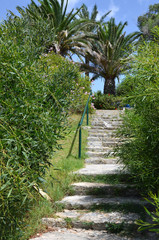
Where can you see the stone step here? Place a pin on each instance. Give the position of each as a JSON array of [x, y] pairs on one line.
[[108, 133], [99, 160], [100, 119], [99, 149], [101, 169], [105, 129], [91, 201], [100, 154], [90, 220], [105, 123], [106, 118], [102, 143], [102, 135], [94, 143], [108, 190], [83, 234], [103, 139], [104, 126], [113, 113]]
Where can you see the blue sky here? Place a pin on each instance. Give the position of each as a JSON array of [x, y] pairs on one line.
[[122, 10]]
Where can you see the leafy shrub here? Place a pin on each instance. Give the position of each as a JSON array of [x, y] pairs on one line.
[[125, 87], [32, 120], [80, 95], [75, 85], [106, 101], [35, 98], [140, 152], [153, 224]]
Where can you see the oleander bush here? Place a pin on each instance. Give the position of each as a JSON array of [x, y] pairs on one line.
[[76, 85], [140, 152], [35, 98], [106, 101]]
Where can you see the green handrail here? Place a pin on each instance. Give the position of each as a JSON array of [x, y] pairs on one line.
[[80, 129]]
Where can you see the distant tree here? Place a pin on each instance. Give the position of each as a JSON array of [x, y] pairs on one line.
[[148, 21], [109, 53]]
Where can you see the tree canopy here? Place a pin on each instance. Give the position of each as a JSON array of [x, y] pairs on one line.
[[66, 32], [109, 53], [91, 28], [104, 45], [148, 21]]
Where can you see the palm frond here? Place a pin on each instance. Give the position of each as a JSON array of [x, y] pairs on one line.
[[104, 16], [94, 13]]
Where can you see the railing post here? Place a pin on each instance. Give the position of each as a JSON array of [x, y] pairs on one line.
[[80, 142], [87, 115], [80, 129]]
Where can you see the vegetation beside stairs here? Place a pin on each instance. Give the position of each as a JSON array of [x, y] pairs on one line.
[[102, 199]]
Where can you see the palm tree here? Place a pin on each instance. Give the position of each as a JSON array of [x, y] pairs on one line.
[[67, 33], [85, 14], [92, 17], [109, 53]]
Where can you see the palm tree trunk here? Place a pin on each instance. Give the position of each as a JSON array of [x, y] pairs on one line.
[[109, 86], [87, 62]]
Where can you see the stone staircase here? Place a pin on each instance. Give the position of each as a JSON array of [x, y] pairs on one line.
[[105, 204]]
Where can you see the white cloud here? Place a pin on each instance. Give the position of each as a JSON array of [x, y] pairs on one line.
[[114, 9]]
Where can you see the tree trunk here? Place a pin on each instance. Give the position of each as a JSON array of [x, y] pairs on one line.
[[109, 86], [87, 62]]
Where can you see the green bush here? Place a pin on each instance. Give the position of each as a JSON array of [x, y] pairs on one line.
[[106, 101], [140, 152], [35, 98], [125, 87], [76, 86], [153, 224], [33, 118]]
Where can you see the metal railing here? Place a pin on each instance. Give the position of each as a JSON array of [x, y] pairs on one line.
[[79, 128]]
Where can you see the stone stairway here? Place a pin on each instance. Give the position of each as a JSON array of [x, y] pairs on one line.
[[105, 204]]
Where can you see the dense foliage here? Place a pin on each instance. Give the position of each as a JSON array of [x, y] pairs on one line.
[[104, 45], [125, 87], [106, 101], [38, 89], [148, 21], [153, 225], [35, 97], [65, 74], [140, 152]]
